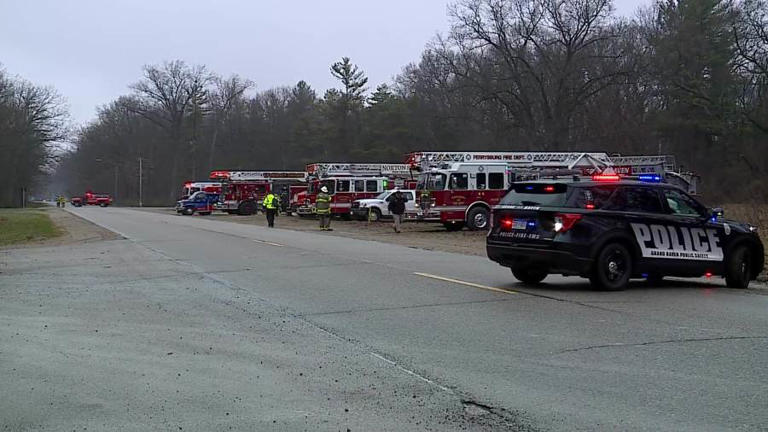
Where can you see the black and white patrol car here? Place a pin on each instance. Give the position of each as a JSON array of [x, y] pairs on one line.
[[610, 229]]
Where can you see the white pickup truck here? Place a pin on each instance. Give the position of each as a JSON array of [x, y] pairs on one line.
[[376, 208]]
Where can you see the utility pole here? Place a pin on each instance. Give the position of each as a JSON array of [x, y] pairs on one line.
[[114, 196], [140, 203]]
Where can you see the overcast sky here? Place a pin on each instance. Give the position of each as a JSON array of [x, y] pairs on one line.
[[91, 50]]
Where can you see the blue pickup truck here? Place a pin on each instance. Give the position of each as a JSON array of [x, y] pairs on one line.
[[200, 202]]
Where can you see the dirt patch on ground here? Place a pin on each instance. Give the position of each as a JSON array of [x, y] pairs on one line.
[[428, 236], [75, 230]]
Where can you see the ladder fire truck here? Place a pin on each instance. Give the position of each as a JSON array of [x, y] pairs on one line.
[[347, 182], [459, 188], [243, 191]]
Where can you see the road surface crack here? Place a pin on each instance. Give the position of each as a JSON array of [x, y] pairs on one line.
[[668, 341]]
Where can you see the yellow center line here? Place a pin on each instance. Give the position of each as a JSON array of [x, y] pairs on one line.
[[461, 282]]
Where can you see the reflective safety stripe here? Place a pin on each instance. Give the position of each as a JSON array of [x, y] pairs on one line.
[[269, 202]]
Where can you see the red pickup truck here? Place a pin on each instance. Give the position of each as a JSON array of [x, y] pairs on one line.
[[90, 198]]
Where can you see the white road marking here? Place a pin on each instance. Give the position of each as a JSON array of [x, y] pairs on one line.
[[461, 282], [269, 243]]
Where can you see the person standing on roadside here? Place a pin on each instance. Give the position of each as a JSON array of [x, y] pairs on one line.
[[397, 208], [323, 208], [270, 208]]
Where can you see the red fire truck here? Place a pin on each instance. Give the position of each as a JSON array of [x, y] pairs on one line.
[[91, 198], [347, 182], [243, 191], [459, 188], [205, 186]]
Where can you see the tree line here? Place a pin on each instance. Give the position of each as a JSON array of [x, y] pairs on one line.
[[32, 120], [683, 77]]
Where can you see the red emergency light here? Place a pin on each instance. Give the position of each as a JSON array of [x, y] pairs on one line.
[[549, 188], [606, 177], [219, 174]]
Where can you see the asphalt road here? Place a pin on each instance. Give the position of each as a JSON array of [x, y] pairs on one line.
[[283, 330]]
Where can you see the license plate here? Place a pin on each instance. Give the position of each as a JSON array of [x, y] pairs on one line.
[[519, 224]]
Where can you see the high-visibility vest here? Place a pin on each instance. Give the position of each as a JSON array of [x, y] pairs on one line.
[[269, 201]]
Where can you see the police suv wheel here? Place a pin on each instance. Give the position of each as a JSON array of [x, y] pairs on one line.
[[188, 211], [477, 219], [612, 268], [529, 275], [738, 269]]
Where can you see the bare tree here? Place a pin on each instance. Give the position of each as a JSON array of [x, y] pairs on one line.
[[33, 120], [541, 60], [167, 96], [226, 95]]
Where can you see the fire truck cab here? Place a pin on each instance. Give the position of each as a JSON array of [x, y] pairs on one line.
[[460, 192]]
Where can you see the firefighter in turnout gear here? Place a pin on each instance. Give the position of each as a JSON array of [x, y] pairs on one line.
[[271, 202], [323, 208]]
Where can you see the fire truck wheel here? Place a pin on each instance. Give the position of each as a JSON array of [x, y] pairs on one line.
[[477, 218], [102, 204], [247, 208], [453, 226], [188, 211]]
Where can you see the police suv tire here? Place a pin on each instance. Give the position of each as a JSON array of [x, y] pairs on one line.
[[529, 275], [188, 211], [738, 268], [375, 215], [612, 268], [477, 218]]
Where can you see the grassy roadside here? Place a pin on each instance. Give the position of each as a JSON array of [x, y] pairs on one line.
[[26, 225]]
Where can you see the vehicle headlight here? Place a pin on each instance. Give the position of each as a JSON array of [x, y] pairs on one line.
[[363, 205], [752, 228]]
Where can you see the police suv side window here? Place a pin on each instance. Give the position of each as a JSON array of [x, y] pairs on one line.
[[636, 199], [683, 205], [459, 181]]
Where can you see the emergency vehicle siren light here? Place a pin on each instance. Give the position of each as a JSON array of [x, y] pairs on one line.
[[606, 177], [650, 178]]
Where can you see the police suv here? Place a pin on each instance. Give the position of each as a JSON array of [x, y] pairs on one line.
[[610, 229]]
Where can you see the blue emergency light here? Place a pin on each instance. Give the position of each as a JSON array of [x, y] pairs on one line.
[[650, 178]]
